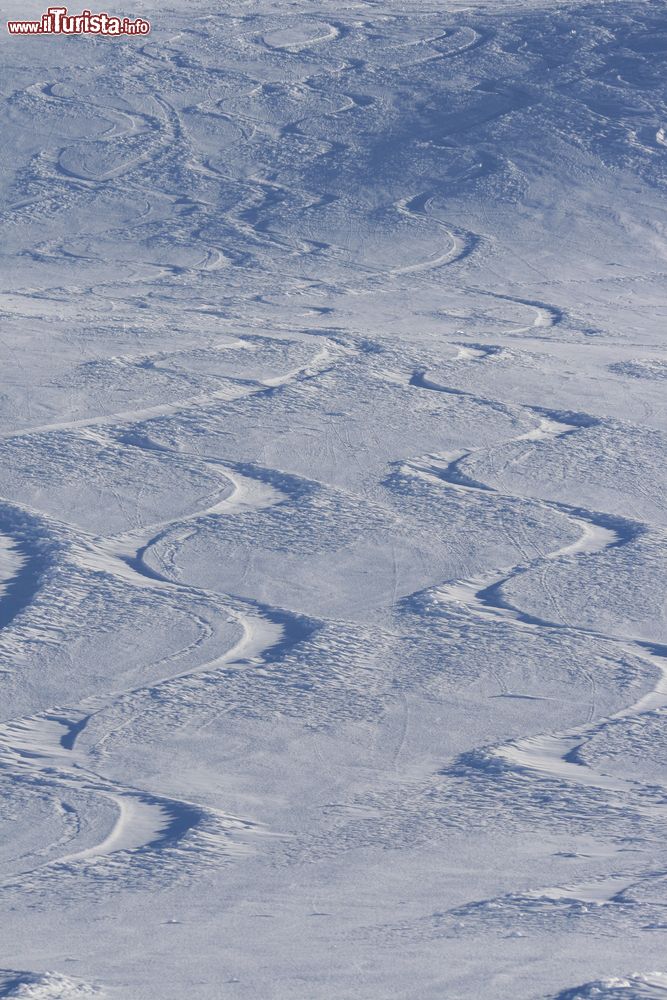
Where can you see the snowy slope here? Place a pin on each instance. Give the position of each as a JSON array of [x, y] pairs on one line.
[[333, 439]]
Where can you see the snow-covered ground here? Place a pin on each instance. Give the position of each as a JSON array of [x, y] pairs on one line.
[[333, 470]]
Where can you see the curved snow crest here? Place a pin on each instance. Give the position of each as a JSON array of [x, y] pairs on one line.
[[44, 986], [462, 243], [546, 315], [245, 488], [232, 389], [552, 423], [635, 987], [551, 756], [242, 207], [554, 756], [152, 835]]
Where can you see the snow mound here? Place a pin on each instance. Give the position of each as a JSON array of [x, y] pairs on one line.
[[635, 987], [43, 986]]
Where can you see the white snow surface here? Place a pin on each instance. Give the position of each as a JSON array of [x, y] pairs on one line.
[[333, 465]]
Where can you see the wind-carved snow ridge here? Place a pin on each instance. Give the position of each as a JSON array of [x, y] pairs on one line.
[[231, 390], [462, 244], [546, 315], [554, 755], [151, 833], [634, 987], [332, 503], [44, 986]]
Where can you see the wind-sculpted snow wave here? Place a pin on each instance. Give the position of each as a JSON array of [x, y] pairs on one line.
[[150, 831], [332, 504], [558, 759]]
